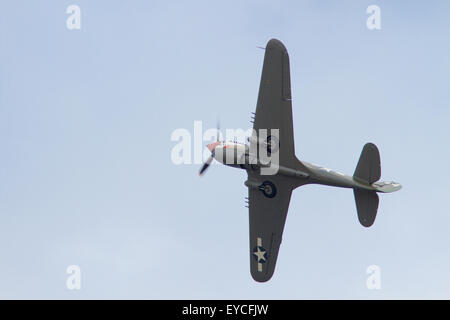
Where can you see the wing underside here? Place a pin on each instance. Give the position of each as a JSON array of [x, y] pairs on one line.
[[267, 217], [268, 212], [274, 106]]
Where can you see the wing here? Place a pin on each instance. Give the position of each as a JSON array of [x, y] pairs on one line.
[[267, 217], [268, 210], [274, 106]]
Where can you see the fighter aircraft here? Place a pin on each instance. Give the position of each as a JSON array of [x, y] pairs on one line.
[[269, 193]]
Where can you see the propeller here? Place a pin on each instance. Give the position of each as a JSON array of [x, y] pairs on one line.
[[206, 164], [211, 147]]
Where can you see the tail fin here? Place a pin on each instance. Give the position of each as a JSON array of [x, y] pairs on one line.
[[368, 170]]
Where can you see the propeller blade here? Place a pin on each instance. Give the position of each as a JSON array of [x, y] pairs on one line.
[[206, 165]]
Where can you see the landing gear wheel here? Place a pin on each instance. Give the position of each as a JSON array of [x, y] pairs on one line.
[[268, 189]]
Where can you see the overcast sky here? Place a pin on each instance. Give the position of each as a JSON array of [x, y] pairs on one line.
[[86, 176]]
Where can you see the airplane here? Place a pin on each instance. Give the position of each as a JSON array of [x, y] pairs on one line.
[[269, 194]]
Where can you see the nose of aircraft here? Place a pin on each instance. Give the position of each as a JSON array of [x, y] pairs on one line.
[[212, 146]]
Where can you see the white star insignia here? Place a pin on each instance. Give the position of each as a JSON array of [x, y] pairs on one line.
[[260, 254]]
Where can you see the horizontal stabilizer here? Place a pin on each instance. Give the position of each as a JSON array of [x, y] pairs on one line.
[[369, 167], [366, 205]]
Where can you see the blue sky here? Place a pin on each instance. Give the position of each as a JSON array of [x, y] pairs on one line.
[[86, 176]]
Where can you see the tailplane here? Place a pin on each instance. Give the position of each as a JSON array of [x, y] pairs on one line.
[[367, 171], [366, 205]]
